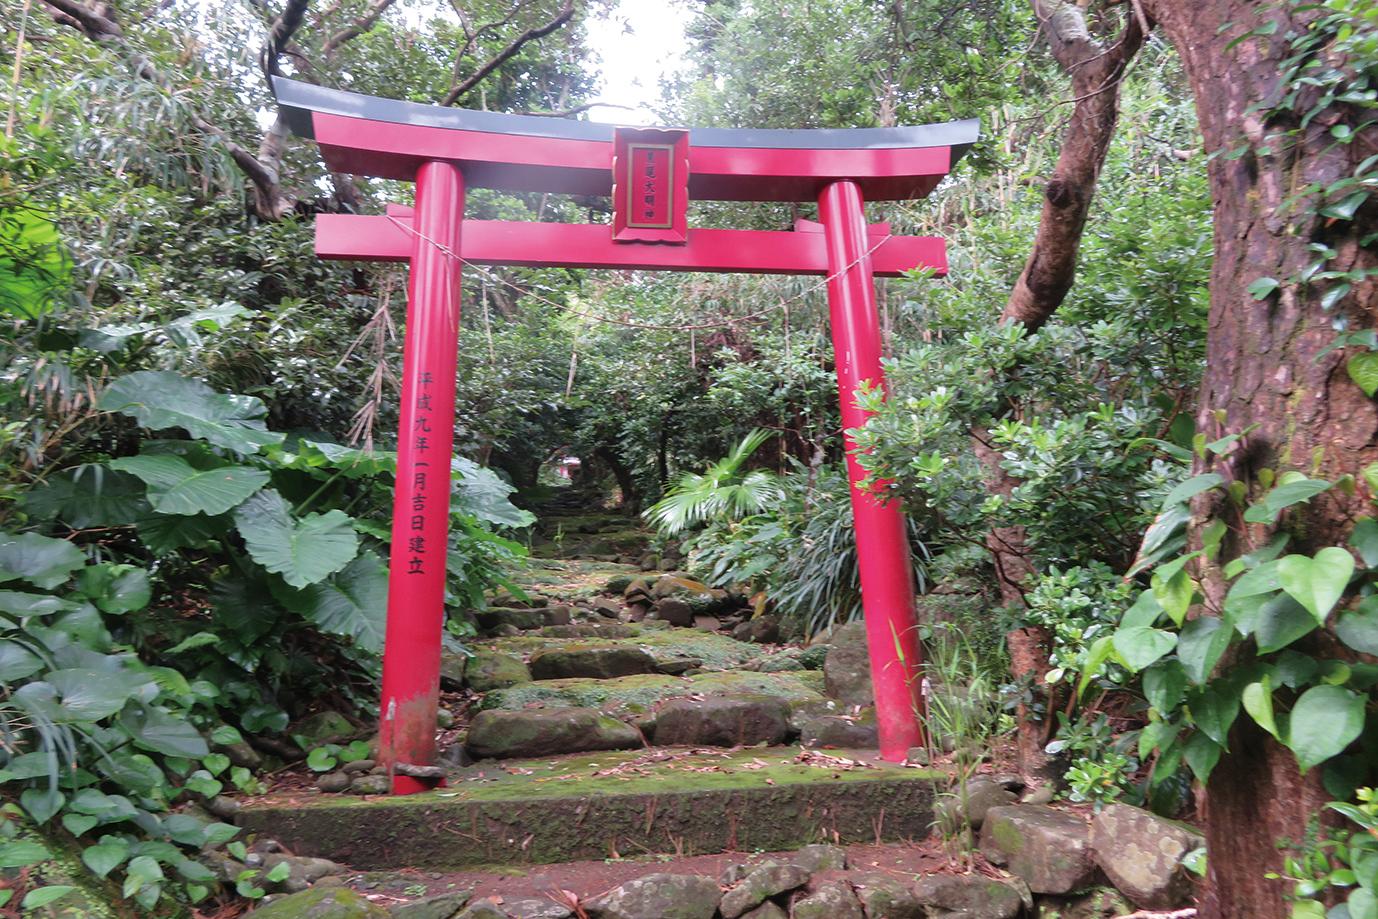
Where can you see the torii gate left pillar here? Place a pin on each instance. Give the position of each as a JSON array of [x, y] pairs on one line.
[[650, 175]]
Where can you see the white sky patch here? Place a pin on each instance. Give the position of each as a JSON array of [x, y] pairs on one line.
[[639, 43]]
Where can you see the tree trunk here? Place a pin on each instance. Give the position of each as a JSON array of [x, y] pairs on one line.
[[626, 482], [1264, 369]]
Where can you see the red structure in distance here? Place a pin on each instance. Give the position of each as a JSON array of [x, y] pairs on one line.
[[651, 175]]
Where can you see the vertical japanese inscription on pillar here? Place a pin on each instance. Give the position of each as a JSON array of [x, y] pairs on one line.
[[650, 186], [419, 490]]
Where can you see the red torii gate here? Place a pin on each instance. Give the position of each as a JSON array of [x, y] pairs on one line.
[[651, 175]]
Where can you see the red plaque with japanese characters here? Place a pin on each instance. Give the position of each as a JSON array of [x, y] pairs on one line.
[[650, 186]]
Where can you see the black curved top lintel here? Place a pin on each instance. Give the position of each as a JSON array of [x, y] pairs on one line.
[[298, 100]]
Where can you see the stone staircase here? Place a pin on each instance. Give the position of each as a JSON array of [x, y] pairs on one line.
[[615, 710]]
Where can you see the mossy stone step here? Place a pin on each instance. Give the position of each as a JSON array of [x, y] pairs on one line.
[[802, 690], [713, 649], [604, 804]]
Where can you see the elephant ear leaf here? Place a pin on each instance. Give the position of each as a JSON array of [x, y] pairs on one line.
[[159, 400], [304, 550]]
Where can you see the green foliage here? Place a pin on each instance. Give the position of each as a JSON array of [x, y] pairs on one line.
[[724, 491]]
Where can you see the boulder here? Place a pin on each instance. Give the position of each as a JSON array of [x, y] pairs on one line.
[[968, 896], [1102, 903], [1141, 853], [557, 615], [323, 728], [333, 782], [675, 612], [523, 619], [883, 897], [590, 630], [658, 896], [321, 903], [636, 590], [440, 906], [954, 808], [452, 667], [619, 584], [820, 857], [493, 670], [722, 721], [303, 869], [831, 900], [608, 609], [759, 886], [812, 657], [778, 663], [484, 909], [847, 666], [533, 908], [761, 630], [596, 663], [1048, 848], [500, 734], [839, 731], [766, 910], [370, 785]]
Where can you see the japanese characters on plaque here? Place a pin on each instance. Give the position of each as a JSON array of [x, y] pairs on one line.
[[420, 490], [650, 185]]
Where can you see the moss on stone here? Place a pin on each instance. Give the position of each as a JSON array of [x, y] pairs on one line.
[[642, 692]]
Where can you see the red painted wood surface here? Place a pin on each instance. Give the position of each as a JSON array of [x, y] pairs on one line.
[[565, 245]]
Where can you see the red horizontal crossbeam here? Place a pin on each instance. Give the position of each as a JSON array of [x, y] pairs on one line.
[[584, 167], [583, 245]]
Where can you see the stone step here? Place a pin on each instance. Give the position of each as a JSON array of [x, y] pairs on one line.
[[612, 804]]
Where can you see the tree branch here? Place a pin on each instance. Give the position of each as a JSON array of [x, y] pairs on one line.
[[356, 28], [459, 89], [1096, 72]]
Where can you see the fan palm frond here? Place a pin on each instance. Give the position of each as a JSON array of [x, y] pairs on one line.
[[720, 490]]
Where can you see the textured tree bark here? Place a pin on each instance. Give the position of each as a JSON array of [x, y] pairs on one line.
[[1264, 368]]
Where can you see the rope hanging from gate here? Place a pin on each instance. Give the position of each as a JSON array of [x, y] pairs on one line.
[[492, 276]]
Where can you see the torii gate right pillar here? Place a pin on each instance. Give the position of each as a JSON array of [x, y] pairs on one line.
[[882, 544]]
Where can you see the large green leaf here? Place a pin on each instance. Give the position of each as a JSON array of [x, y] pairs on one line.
[[1359, 628], [1215, 708], [176, 487], [1284, 496], [92, 495], [302, 551], [41, 561], [156, 730], [1164, 684], [160, 400], [34, 269], [1202, 642], [1281, 621], [352, 602], [166, 533], [1325, 720], [1317, 583], [80, 695], [17, 661], [480, 492], [115, 588], [1139, 647]]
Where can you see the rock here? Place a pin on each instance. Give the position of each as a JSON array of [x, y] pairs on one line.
[[1048, 848], [722, 721], [419, 772], [590, 630], [951, 811], [678, 666], [594, 663], [370, 785], [968, 896], [883, 897], [766, 910], [655, 625], [484, 909], [1141, 853], [812, 657], [707, 623], [759, 886], [637, 589], [224, 808], [675, 612], [1103, 903], [608, 609], [358, 766], [440, 906], [820, 857], [321, 903], [521, 619], [452, 667], [547, 732], [557, 615], [665, 564], [455, 756], [762, 630], [619, 584], [240, 754], [493, 670], [658, 896], [532, 908], [832, 900], [304, 868], [323, 728], [333, 782], [839, 731], [1043, 794], [847, 667], [917, 756], [778, 663]]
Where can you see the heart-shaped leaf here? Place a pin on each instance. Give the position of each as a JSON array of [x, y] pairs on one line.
[[1317, 583], [1325, 720], [304, 550], [1258, 702], [1164, 684], [40, 560], [161, 400], [1280, 622], [1363, 370], [1364, 539], [1139, 647], [107, 856], [1202, 642], [177, 487], [1359, 628]]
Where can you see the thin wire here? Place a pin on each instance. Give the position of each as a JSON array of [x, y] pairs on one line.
[[783, 304]]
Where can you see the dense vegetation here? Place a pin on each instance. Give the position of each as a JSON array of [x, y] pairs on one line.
[[194, 470]]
